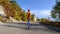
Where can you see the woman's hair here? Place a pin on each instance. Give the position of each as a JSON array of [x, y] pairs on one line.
[[28, 10]]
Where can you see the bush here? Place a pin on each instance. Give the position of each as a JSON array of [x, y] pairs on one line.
[[1, 18], [17, 18]]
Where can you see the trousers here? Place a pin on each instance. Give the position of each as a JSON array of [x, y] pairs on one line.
[[28, 24]]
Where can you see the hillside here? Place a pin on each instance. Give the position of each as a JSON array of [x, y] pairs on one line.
[[8, 8], [12, 9]]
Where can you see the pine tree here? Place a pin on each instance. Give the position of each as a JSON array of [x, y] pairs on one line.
[[55, 12]]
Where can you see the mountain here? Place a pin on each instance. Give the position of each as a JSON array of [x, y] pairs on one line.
[[10, 8]]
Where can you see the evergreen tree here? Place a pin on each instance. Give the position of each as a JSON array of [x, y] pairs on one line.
[[55, 13]]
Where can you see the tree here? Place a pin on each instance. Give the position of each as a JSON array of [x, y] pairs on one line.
[[32, 17], [55, 12], [9, 9], [17, 9], [23, 15], [44, 20], [16, 6]]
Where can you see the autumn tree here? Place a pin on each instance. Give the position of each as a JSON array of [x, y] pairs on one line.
[[9, 9]]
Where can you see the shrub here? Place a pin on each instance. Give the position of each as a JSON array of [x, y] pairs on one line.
[[1, 18]]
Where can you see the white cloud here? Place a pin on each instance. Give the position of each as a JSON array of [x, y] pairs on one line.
[[45, 12], [41, 13], [23, 7]]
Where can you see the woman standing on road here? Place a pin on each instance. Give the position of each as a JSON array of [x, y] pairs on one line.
[[28, 18]]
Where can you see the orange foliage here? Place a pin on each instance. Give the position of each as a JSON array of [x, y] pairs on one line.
[[10, 10]]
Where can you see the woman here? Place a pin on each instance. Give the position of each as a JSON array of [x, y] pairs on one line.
[[28, 18]]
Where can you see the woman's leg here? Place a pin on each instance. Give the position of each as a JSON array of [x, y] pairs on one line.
[[28, 23]]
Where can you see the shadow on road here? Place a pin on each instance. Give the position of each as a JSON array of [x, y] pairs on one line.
[[50, 29], [32, 24], [31, 29]]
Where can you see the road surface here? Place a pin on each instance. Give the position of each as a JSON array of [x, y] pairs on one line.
[[20, 28]]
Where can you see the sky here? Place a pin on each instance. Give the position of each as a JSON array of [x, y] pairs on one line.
[[41, 8]]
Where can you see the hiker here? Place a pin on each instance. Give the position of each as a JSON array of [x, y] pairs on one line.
[[28, 18]]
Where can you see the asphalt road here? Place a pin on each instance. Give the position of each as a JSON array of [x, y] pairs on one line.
[[21, 28]]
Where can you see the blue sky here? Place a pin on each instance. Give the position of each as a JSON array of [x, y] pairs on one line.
[[41, 8]]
